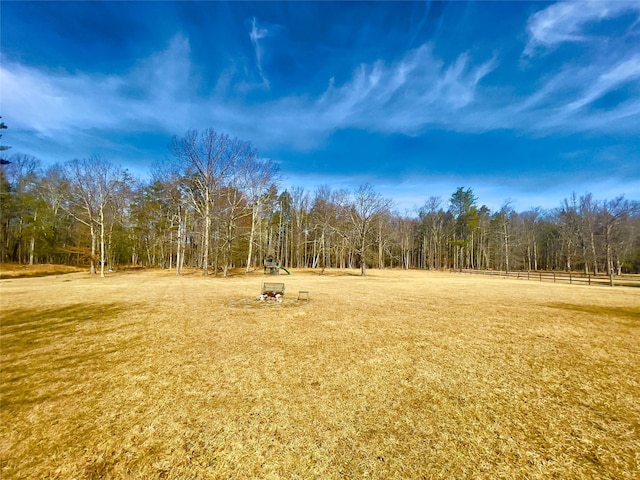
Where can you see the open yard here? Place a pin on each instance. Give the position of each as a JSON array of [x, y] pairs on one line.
[[400, 374]]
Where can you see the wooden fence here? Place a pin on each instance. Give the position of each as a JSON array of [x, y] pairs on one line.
[[574, 278]]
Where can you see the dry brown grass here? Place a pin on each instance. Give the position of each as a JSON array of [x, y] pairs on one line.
[[14, 270], [395, 375]]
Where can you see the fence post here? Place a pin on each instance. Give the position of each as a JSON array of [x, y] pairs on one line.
[[589, 278], [611, 279], [554, 276], [570, 278]]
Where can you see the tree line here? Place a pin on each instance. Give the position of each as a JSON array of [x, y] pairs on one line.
[[215, 204]]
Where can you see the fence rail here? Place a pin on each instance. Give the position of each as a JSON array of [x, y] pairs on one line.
[[577, 278]]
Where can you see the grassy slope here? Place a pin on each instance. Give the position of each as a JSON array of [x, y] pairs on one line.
[[396, 375]]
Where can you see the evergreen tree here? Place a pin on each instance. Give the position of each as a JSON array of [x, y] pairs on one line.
[[3, 148]]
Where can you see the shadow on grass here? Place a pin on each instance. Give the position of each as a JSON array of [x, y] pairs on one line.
[[609, 312], [48, 352], [34, 318]]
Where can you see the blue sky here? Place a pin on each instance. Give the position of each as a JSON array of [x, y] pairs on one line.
[[521, 101]]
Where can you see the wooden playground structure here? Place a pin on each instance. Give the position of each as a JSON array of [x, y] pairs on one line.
[[272, 266]]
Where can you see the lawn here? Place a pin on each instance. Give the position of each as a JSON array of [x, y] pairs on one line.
[[400, 374]]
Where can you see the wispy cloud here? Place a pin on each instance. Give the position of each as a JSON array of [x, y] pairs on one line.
[[54, 103], [406, 96], [580, 75], [416, 92], [566, 22], [159, 94], [626, 71], [256, 34], [566, 99], [51, 103]]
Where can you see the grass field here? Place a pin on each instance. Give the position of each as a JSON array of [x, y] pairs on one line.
[[401, 374], [8, 270]]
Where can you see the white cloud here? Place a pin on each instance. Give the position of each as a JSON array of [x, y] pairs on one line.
[[621, 73], [563, 101], [566, 22], [416, 92], [405, 96], [52, 103], [256, 34]]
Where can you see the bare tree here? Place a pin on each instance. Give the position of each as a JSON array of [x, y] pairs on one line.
[[569, 228], [223, 178], [168, 192], [505, 220], [94, 183], [531, 221], [233, 201], [53, 192], [258, 175], [587, 211], [204, 162], [326, 212], [614, 214], [432, 229], [300, 212], [366, 205]]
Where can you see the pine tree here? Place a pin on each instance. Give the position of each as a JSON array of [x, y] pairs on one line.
[[3, 126]]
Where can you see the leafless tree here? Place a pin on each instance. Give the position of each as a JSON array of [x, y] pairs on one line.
[[587, 212], [614, 214], [568, 223], [300, 212], [432, 227], [366, 205], [257, 176], [223, 178], [327, 210], [233, 203], [205, 160], [94, 184]]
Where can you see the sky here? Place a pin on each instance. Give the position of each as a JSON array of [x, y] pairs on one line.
[[523, 102]]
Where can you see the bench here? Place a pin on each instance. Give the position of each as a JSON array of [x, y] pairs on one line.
[[272, 289]]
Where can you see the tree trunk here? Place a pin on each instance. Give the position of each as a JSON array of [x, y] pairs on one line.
[[32, 243], [178, 246], [607, 237], [363, 267], [380, 247], [93, 249], [102, 241], [506, 248], [251, 236], [205, 239], [593, 253]]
